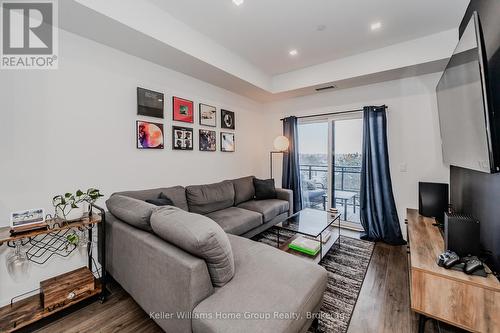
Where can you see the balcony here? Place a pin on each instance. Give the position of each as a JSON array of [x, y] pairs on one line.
[[347, 189]]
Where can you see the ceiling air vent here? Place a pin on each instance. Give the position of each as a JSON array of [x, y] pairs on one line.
[[325, 88]]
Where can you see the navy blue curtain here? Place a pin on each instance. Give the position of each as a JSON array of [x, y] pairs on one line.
[[291, 168], [379, 217]]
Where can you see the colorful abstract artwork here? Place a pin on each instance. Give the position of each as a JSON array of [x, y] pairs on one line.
[[182, 110], [208, 140], [149, 135], [227, 142]]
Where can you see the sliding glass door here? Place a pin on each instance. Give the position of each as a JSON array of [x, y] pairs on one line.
[[330, 163], [314, 159], [347, 148]]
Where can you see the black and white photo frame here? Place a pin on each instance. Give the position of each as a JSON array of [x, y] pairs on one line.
[[149, 103], [182, 138], [207, 115], [227, 142], [208, 140], [227, 119]]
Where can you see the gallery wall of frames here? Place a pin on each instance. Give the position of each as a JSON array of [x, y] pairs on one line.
[[152, 134]]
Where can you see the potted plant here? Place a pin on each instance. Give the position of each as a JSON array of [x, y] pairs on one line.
[[71, 207]]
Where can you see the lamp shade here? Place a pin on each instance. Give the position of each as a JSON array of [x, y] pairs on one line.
[[281, 143]]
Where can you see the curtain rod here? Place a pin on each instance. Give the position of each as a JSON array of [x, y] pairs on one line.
[[332, 113]]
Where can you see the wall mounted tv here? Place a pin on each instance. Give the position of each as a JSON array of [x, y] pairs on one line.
[[466, 120]]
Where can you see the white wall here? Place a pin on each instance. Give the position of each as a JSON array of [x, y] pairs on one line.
[[413, 128], [75, 128]]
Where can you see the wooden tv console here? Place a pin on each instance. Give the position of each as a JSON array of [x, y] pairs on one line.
[[465, 301]]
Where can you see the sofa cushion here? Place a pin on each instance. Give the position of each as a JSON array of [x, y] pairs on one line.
[[176, 193], [266, 280], [264, 189], [199, 236], [243, 189], [135, 212], [204, 199], [268, 208], [235, 220]]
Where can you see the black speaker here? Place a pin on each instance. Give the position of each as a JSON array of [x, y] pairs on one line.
[[433, 200], [461, 234]]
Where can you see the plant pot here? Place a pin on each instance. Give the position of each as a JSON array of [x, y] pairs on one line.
[[73, 215]]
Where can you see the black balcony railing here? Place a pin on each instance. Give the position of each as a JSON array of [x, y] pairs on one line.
[[346, 178], [343, 181]]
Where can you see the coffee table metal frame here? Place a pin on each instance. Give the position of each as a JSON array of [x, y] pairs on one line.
[[281, 225]]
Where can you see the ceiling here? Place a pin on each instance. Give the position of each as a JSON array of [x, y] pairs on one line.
[[264, 31], [245, 49]]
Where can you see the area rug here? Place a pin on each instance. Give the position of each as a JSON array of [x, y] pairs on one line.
[[346, 271]]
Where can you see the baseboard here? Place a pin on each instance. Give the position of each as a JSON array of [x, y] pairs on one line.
[[351, 226]]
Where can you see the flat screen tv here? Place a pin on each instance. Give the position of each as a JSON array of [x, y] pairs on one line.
[[466, 123]]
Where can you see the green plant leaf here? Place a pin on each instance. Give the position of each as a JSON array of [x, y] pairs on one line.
[[72, 239], [67, 195]]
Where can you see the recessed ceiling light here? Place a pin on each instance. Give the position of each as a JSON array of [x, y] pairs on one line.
[[293, 52], [376, 26], [238, 2]]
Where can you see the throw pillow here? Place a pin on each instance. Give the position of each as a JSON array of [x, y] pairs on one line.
[[264, 189], [159, 202], [162, 200], [198, 235]]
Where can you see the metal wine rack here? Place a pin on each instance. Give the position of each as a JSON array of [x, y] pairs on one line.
[[56, 243], [55, 240]]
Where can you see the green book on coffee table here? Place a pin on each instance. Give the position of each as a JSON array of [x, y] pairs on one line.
[[305, 245]]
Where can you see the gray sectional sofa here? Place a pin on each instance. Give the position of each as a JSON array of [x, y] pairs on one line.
[[192, 267]]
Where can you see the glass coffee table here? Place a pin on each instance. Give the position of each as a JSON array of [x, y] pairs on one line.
[[312, 223]]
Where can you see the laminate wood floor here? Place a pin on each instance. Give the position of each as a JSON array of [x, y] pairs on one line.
[[382, 306], [384, 301]]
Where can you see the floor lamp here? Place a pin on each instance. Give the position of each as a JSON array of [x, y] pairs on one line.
[[281, 144]]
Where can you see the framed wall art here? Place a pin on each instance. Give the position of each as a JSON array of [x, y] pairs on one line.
[[182, 138], [208, 141], [149, 103], [227, 119], [208, 115], [182, 110], [25, 218], [227, 142], [149, 135]]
